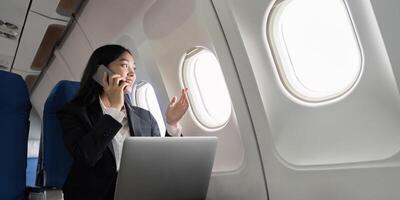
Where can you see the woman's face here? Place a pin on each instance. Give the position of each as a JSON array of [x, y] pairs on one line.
[[125, 66]]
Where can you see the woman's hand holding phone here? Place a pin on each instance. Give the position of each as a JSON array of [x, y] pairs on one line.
[[114, 86]]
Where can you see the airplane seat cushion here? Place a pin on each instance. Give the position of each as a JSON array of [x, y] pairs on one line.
[[56, 159], [15, 109]]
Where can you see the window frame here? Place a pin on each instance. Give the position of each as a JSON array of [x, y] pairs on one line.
[[277, 54], [194, 112]]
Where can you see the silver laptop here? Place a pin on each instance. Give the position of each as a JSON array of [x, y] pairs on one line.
[[176, 168]]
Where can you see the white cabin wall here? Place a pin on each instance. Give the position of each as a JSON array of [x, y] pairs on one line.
[[328, 165], [75, 50], [35, 131], [288, 118], [171, 33], [35, 127], [68, 63], [122, 25], [57, 70], [387, 13]]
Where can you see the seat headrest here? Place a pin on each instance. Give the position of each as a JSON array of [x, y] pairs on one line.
[[62, 93], [15, 93]]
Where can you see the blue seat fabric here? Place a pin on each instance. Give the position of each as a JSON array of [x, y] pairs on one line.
[[15, 109], [54, 157]]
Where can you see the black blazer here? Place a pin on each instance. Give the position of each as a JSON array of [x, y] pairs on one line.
[[87, 136]]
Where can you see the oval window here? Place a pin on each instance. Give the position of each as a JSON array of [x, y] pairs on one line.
[[208, 94], [315, 48]]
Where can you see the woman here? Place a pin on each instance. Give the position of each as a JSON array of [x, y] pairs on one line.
[[96, 122]]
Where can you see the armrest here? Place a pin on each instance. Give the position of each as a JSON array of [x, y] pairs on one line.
[[41, 193]]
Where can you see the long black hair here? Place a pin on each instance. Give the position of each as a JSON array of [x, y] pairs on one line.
[[89, 89]]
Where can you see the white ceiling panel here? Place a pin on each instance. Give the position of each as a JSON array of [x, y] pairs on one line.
[[14, 11], [76, 51], [35, 28], [48, 8], [11, 11]]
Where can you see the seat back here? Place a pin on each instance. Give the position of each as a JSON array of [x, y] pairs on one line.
[[145, 97], [55, 160], [15, 108]]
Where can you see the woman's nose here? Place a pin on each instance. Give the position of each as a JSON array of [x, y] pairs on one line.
[[131, 72]]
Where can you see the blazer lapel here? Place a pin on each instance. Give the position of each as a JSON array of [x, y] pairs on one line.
[[95, 113], [135, 121]]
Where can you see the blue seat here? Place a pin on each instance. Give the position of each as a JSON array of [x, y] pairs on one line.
[[15, 108], [54, 159]]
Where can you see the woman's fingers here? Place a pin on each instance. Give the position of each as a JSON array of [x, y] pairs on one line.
[[105, 80], [115, 83], [173, 101], [115, 80], [115, 91], [184, 98], [123, 85]]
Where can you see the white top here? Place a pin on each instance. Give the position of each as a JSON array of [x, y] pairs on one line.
[[118, 140]]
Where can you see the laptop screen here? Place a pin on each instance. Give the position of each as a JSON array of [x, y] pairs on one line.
[[165, 168]]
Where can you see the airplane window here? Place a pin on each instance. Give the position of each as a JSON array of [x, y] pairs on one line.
[[209, 98], [315, 48], [146, 98]]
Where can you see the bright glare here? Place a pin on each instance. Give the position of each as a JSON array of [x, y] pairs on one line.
[[319, 55], [209, 95]]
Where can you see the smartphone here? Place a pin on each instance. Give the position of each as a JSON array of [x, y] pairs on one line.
[[98, 76]]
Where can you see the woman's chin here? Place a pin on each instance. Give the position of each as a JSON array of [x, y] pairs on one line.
[[128, 90]]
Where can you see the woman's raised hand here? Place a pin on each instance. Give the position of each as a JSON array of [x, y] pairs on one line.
[[114, 90], [176, 109]]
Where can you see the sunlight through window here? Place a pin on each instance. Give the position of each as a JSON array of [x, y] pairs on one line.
[[315, 47], [209, 97]]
